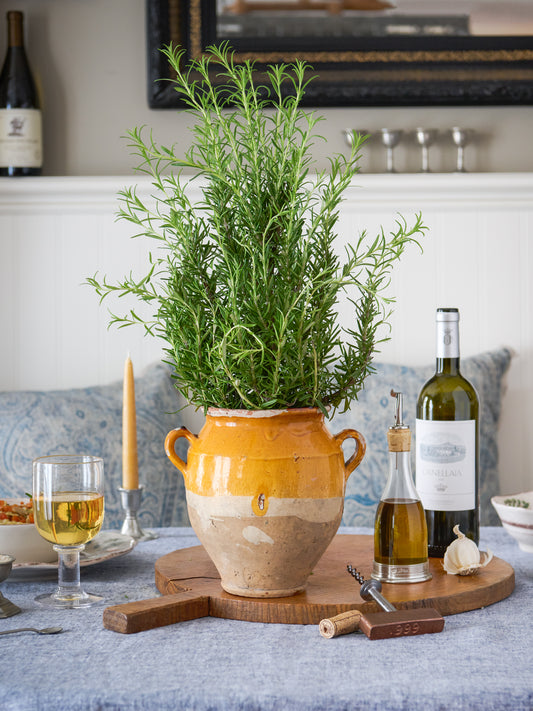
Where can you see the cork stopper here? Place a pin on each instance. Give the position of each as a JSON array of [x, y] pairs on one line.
[[399, 439]]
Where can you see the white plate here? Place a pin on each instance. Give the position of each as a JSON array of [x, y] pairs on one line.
[[106, 545]]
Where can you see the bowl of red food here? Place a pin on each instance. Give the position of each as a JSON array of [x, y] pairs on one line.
[[19, 536]]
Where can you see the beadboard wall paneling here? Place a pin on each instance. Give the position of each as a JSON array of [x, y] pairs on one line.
[[54, 232]]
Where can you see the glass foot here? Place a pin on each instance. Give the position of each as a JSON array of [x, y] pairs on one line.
[[64, 602]]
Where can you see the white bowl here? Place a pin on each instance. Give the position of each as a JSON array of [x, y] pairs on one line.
[[517, 521], [23, 541]]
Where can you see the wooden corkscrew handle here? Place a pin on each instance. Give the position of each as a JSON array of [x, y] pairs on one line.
[[344, 623]]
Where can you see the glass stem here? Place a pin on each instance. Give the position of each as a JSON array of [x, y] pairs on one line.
[[460, 160], [425, 159], [69, 571], [390, 161]]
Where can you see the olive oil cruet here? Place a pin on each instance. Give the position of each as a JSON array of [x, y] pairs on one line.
[[400, 533]]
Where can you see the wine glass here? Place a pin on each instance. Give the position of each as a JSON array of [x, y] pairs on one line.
[[460, 137], [426, 138], [68, 505], [390, 139]]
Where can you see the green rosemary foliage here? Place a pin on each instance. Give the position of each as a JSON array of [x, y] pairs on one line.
[[516, 502], [245, 291]]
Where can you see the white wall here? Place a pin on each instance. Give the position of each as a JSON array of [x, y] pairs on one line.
[[89, 58]]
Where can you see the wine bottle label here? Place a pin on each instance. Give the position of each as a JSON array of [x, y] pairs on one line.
[[20, 138], [446, 464]]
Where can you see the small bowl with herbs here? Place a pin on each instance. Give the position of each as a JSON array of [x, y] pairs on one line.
[[19, 536], [516, 515]]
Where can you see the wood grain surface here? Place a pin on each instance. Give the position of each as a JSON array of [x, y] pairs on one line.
[[190, 586]]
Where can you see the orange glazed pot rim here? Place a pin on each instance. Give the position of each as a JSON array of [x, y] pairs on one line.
[[252, 414]]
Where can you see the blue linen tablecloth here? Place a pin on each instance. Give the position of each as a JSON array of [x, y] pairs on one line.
[[482, 660]]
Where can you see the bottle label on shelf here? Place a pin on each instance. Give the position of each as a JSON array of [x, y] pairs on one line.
[[20, 138], [446, 464]]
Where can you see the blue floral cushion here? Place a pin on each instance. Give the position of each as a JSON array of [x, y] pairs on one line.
[[89, 421], [373, 413]]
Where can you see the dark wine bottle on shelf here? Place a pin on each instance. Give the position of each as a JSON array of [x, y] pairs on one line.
[[20, 115], [447, 444]]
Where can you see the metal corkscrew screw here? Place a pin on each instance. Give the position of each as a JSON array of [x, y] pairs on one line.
[[371, 590]]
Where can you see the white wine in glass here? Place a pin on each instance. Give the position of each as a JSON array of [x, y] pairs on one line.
[[68, 504]]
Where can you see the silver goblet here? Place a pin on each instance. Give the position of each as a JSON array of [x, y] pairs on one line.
[[425, 138], [460, 137], [390, 139], [349, 133]]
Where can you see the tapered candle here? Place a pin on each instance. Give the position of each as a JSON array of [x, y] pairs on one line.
[[130, 468]]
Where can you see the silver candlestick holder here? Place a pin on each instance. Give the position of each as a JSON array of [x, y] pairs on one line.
[[131, 501]]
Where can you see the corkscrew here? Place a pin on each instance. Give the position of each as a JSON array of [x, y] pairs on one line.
[[371, 590], [381, 625]]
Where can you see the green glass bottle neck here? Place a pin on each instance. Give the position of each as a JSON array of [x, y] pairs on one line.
[[447, 366]]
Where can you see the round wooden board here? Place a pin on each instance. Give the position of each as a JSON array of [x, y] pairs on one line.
[[330, 589]]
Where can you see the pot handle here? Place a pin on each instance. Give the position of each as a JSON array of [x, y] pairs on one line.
[[360, 449], [170, 442]]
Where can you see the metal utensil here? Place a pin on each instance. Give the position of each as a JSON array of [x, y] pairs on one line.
[[7, 608], [371, 590], [45, 630]]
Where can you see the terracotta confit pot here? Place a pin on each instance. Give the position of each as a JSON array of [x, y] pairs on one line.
[[265, 494]]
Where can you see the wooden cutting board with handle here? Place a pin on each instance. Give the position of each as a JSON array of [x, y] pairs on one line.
[[190, 587]]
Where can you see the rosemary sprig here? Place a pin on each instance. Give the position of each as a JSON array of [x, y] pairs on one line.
[[519, 503], [245, 288]]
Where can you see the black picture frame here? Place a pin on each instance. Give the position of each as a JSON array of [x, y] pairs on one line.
[[384, 71]]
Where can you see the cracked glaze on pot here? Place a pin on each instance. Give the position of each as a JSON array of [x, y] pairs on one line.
[[265, 494]]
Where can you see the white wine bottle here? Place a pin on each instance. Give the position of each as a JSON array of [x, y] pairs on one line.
[[20, 116], [447, 444]]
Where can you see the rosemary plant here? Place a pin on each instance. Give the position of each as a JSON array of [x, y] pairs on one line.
[[245, 290]]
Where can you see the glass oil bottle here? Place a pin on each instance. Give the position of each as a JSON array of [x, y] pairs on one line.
[[400, 533]]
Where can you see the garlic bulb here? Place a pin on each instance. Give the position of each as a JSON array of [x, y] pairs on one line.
[[462, 556]]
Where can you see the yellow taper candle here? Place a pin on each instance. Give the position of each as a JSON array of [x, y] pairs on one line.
[[130, 467]]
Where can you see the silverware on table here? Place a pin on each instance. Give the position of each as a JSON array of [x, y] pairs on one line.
[[45, 630]]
